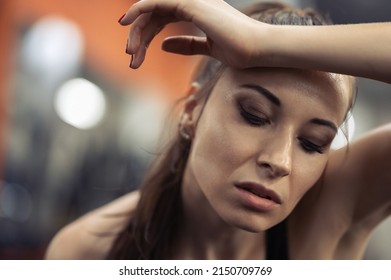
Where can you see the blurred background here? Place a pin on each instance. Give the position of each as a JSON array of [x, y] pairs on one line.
[[78, 126]]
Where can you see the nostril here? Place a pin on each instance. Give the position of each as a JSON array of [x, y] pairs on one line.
[[274, 170], [265, 165]]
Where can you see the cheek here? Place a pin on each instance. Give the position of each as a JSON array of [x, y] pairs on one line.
[[216, 150], [221, 145], [306, 172]]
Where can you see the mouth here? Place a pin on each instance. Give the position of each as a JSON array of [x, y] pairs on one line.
[[259, 194], [259, 191]]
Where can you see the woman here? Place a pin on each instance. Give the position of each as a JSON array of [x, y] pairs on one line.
[[249, 173]]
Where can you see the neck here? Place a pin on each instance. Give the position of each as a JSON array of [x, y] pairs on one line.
[[204, 235]]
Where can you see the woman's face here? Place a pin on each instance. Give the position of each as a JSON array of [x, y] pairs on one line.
[[262, 141]]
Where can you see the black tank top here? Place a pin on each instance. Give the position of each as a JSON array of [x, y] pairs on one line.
[[277, 242]]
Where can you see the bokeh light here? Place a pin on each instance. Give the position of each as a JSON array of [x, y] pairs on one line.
[[343, 138], [80, 103], [53, 48]]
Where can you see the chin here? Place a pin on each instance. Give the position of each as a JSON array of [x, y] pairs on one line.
[[254, 228], [255, 222], [254, 225]]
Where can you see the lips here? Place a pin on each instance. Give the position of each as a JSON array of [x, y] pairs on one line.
[[259, 191]]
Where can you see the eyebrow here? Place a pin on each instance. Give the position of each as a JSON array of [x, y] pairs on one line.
[[274, 99], [325, 123], [265, 92]]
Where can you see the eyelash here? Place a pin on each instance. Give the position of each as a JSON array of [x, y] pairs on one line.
[[253, 119], [307, 146], [310, 147]]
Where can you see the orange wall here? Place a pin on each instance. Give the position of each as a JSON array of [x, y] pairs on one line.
[[105, 41], [105, 46], [6, 39]]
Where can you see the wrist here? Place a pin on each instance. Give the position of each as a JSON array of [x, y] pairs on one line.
[[279, 46], [267, 49]]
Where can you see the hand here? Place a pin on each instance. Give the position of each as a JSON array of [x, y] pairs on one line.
[[229, 33]]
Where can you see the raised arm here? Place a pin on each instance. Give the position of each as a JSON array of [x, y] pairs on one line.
[[355, 49], [362, 50]]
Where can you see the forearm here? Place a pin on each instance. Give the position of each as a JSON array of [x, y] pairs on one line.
[[359, 49]]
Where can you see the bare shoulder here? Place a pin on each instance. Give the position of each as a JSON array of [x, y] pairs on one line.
[[359, 175], [92, 235], [357, 180], [351, 198]]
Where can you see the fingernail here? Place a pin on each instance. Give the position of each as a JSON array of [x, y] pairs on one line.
[[119, 21], [131, 62]]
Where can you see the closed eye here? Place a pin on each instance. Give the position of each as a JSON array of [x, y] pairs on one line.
[[253, 119], [310, 147]]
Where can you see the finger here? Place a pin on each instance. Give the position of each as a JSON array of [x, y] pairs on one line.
[[135, 32], [148, 6], [145, 36], [139, 57], [153, 28], [131, 14], [187, 45]]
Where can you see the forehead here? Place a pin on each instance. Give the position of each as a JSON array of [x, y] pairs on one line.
[[333, 91]]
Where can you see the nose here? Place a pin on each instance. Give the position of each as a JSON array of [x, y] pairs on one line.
[[275, 157]]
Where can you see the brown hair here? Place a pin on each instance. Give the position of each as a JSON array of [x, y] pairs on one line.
[[154, 223]]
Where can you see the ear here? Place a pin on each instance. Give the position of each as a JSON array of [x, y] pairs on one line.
[[191, 112]]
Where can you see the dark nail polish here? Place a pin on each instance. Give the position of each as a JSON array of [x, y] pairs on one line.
[[119, 21]]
